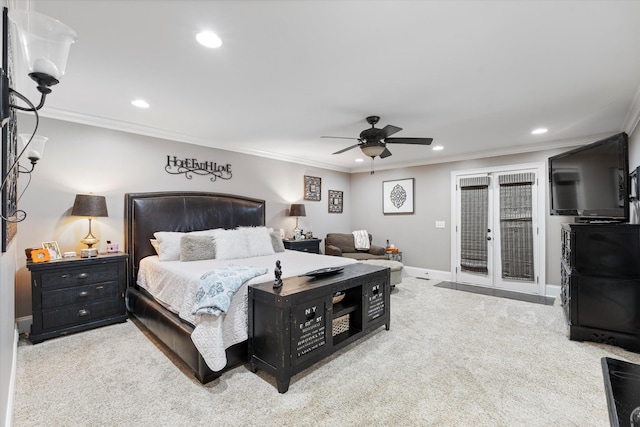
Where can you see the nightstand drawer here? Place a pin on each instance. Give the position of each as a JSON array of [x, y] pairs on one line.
[[79, 294], [78, 276], [78, 314]]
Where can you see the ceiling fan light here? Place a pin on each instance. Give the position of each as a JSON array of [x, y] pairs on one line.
[[372, 150]]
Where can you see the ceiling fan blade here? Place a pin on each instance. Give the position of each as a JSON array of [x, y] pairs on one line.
[[338, 137], [385, 153], [389, 130], [346, 149], [419, 141]]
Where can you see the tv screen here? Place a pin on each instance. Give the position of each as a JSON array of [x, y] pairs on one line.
[[591, 182]]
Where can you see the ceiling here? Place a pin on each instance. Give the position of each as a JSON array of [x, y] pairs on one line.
[[477, 76]]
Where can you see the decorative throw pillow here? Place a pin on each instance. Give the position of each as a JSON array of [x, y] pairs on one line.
[[230, 244], [169, 245], [196, 247], [276, 241], [258, 240], [155, 245]]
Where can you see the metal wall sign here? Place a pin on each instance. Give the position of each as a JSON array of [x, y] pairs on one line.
[[189, 167]]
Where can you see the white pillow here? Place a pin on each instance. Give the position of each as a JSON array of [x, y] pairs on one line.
[[169, 245], [155, 245], [258, 240], [230, 244]]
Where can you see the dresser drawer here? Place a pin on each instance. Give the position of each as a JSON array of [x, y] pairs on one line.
[[79, 314], [79, 275], [79, 294]]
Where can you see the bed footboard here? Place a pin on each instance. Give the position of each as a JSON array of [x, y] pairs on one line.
[[176, 335]]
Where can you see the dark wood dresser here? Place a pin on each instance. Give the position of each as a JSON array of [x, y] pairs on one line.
[[297, 325], [304, 245], [600, 287], [76, 294]]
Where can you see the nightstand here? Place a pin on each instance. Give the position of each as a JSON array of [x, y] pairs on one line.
[[76, 294], [305, 245]]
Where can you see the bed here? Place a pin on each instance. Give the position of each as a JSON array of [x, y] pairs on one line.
[[187, 212]]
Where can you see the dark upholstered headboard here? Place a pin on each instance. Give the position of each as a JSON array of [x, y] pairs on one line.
[[146, 213]]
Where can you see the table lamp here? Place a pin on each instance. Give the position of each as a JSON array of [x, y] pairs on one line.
[[297, 210], [91, 206]]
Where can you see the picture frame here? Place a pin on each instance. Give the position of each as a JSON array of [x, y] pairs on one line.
[[335, 201], [40, 255], [312, 188], [398, 196], [54, 250]]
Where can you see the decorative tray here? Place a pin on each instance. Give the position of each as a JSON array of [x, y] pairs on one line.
[[324, 271]]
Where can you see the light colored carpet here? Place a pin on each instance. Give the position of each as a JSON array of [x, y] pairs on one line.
[[451, 358]]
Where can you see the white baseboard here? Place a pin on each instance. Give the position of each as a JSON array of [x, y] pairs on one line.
[[8, 417], [424, 273], [24, 324]]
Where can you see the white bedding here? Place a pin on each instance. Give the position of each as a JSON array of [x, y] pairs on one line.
[[174, 285]]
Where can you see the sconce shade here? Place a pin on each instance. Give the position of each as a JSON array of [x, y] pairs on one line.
[[45, 42], [373, 150], [36, 147], [89, 205], [297, 210]]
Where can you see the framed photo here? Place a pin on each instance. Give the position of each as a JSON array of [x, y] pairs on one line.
[[335, 201], [312, 187], [54, 250], [397, 196], [40, 255]]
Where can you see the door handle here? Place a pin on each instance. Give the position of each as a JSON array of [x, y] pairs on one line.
[[488, 238]]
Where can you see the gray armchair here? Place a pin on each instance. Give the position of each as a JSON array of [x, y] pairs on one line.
[[342, 244]]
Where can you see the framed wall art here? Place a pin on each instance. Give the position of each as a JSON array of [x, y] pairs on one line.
[[397, 196], [335, 201], [312, 188]]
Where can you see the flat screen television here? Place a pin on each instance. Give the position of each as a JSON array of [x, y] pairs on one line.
[[591, 182]]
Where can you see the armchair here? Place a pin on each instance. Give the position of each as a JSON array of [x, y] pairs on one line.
[[342, 244]]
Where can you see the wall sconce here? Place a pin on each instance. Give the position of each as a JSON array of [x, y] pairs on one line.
[[91, 206], [45, 43], [297, 210]]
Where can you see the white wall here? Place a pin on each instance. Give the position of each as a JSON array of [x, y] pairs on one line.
[[83, 159]]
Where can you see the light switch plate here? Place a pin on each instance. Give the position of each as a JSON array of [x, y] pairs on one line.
[[440, 224]]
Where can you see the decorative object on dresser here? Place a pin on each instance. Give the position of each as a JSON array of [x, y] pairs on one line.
[[91, 206], [72, 295], [335, 201], [304, 245], [54, 250], [397, 196], [45, 44], [297, 210], [600, 289], [312, 188], [296, 326]]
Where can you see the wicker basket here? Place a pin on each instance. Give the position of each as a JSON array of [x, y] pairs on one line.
[[340, 324]]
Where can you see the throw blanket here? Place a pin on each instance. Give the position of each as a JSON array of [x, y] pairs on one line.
[[217, 287], [361, 240]]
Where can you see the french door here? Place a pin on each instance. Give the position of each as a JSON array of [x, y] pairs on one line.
[[499, 220]]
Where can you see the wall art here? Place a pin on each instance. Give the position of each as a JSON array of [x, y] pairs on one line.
[[397, 196], [312, 188], [335, 201], [190, 166]]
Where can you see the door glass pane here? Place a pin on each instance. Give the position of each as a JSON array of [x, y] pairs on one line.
[[516, 229], [474, 193]]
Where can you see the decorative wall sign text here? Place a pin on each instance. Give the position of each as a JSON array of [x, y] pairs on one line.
[[189, 167]]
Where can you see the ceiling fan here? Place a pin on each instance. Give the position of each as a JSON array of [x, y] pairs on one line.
[[373, 142]]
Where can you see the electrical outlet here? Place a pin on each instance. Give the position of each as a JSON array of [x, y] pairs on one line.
[[440, 224]]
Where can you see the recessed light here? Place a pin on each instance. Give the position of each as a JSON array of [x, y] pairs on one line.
[[140, 103], [539, 131], [437, 148], [209, 39], [359, 160]]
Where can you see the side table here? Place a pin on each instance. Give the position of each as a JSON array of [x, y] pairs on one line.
[[394, 256], [304, 245]]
